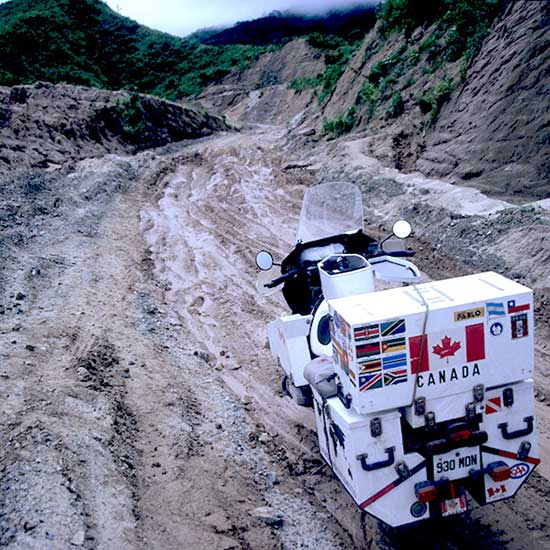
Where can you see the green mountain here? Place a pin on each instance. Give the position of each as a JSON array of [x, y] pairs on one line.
[[85, 42], [277, 27]]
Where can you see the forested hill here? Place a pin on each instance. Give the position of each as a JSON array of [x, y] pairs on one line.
[[279, 27], [85, 42]]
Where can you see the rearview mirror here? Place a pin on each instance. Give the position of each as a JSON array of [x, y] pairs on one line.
[[264, 260], [402, 229]]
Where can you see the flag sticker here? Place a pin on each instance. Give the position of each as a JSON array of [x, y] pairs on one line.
[[493, 405], [366, 333], [495, 309], [340, 356], [394, 361], [520, 327], [340, 326], [455, 346], [370, 381], [391, 328], [514, 307], [391, 346], [371, 366], [419, 345], [393, 377], [368, 350]]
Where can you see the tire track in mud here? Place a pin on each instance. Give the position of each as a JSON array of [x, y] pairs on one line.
[[215, 206]]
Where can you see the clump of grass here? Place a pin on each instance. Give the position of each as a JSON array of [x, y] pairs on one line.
[[396, 107], [368, 95], [340, 125], [432, 101], [304, 83], [382, 69], [130, 114]]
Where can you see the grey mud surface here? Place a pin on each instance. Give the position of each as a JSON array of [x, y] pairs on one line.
[[141, 407]]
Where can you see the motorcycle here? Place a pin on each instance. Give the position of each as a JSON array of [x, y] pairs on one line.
[[422, 393]]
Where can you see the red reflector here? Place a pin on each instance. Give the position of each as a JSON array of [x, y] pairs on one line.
[[500, 473], [426, 494], [464, 435]]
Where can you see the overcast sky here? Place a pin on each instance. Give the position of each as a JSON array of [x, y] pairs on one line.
[[182, 17]]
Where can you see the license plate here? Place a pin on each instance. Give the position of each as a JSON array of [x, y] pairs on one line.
[[456, 464], [454, 506]]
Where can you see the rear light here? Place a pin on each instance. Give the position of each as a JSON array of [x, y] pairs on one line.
[[461, 437], [425, 492], [498, 471]]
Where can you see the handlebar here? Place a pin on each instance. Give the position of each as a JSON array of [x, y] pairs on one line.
[[281, 279], [288, 275], [292, 272]]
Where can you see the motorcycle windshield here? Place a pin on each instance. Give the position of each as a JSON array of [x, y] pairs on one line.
[[330, 209]]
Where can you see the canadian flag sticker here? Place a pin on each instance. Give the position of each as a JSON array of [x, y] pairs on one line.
[[449, 348]]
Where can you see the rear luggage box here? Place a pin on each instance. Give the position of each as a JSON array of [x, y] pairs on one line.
[[444, 337]]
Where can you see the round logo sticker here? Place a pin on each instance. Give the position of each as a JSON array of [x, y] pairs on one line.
[[519, 470], [418, 509], [496, 329]]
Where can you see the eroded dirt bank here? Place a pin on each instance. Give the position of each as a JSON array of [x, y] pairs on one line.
[[141, 406]]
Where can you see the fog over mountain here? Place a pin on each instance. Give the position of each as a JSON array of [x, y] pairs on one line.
[[182, 17]]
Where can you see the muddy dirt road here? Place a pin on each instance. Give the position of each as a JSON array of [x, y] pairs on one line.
[[141, 407]]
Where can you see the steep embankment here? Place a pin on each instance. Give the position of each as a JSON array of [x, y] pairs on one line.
[[70, 122], [262, 94], [460, 93], [482, 119], [495, 130]]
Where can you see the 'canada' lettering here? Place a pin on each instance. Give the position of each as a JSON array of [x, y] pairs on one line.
[[444, 376]]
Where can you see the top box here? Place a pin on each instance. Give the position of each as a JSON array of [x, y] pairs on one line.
[[444, 337]]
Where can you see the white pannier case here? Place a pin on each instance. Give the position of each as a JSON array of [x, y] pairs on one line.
[[451, 357], [433, 340]]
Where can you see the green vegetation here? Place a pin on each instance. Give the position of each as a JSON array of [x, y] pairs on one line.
[[368, 95], [386, 67], [130, 114], [464, 23], [397, 106], [278, 27], [86, 43], [432, 101], [341, 125], [304, 83], [337, 53]]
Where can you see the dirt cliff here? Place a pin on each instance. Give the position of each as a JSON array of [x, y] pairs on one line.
[[261, 94], [483, 122], [495, 130], [47, 124]]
